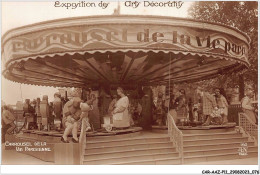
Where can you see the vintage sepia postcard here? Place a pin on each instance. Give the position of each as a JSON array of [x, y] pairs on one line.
[[130, 83]]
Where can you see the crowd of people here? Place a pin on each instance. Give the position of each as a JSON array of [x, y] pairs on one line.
[[200, 107], [207, 107]]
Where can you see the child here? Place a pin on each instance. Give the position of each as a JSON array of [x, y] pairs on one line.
[[85, 108], [216, 117], [195, 113]]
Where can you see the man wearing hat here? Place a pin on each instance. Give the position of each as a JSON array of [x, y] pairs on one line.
[[7, 122], [57, 108]]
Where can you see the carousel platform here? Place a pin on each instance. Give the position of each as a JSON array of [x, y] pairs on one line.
[[185, 129], [54, 136], [209, 129], [228, 125]]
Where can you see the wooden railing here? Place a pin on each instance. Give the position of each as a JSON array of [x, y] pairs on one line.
[[250, 128], [234, 109], [82, 139], [238, 104], [176, 136]]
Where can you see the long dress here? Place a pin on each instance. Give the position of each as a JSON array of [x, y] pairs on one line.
[[222, 104], [248, 108], [146, 119], [182, 109], [208, 103], [94, 115], [120, 116]]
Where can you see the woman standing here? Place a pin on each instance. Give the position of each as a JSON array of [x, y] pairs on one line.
[[248, 108], [120, 113], [94, 115], [222, 104]]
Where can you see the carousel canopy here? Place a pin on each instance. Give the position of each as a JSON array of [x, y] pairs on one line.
[[136, 50]]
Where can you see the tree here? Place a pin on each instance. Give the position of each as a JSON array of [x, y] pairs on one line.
[[241, 15]]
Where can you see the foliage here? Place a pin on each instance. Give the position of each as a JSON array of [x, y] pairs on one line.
[[241, 15]]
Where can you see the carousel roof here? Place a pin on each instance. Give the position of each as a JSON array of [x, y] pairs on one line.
[[136, 50]]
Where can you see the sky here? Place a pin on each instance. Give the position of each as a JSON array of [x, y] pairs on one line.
[[16, 14]]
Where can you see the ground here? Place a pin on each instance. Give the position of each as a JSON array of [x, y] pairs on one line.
[[11, 157], [247, 161]]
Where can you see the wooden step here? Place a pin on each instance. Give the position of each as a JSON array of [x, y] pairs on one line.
[[171, 161], [217, 151], [215, 146], [104, 148], [130, 158], [124, 136], [215, 141], [207, 131], [216, 157], [130, 141], [139, 137], [141, 161], [158, 150], [113, 137], [211, 135]]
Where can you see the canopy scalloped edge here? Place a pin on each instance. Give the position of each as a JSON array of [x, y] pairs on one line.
[[49, 85], [217, 56]]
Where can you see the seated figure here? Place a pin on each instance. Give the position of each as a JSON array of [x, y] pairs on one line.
[[120, 113], [71, 116]]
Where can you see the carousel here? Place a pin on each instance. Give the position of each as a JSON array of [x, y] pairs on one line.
[[120, 50]]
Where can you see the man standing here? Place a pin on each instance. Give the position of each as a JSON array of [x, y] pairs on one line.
[[208, 104], [146, 114], [7, 122], [57, 108]]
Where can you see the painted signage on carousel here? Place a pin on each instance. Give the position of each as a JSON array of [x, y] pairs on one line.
[[144, 37]]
